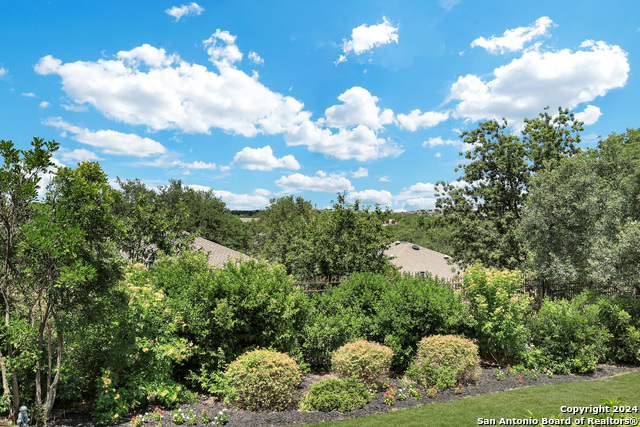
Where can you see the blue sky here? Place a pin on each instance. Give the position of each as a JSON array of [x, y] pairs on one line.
[[258, 99]]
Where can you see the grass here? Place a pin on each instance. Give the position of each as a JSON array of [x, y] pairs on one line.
[[545, 400]]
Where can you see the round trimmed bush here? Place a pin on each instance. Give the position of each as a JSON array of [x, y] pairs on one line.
[[368, 362], [444, 361], [336, 395], [262, 380]]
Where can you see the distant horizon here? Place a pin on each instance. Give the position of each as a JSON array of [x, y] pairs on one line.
[[260, 100]]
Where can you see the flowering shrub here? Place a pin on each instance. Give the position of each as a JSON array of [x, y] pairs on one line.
[[205, 418], [415, 393], [221, 417], [390, 394], [499, 310], [458, 389], [533, 374], [137, 421], [510, 370], [443, 361], [432, 392], [499, 374], [156, 415], [369, 362], [178, 416], [402, 394], [336, 395], [262, 380]]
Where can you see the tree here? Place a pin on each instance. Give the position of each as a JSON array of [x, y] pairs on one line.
[[67, 258], [582, 219], [20, 174], [486, 202], [346, 239], [150, 224], [283, 227]]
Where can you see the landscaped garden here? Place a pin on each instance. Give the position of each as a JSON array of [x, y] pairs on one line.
[[249, 347]]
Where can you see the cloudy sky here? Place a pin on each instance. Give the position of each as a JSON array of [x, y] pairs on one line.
[[258, 99]]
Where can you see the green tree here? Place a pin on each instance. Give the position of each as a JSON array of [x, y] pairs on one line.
[[20, 174], [283, 227], [150, 224], [346, 239], [487, 200], [431, 231], [581, 220], [67, 257]]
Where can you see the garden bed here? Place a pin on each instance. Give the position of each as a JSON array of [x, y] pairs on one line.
[[487, 383]]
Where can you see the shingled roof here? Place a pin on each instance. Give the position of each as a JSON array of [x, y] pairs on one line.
[[218, 255], [420, 260]]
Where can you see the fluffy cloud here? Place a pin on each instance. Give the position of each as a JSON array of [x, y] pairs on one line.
[[3, 72], [80, 155], [43, 104], [526, 85], [360, 173], [184, 10], [382, 197], [111, 142], [416, 119], [434, 142], [255, 58], [364, 38], [359, 107], [514, 40], [263, 159], [29, 95], [590, 115], [320, 182], [360, 143], [146, 86], [242, 201]]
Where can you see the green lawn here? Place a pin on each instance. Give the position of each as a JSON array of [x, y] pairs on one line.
[[545, 400]]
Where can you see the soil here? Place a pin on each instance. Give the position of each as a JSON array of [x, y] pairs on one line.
[[487, 383]]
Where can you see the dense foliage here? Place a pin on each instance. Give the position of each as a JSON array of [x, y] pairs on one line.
[[487, 200], [368, 362], [336, 395], [445, 360], [262, 380]]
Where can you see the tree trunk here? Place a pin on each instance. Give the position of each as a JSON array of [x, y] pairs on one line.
[[5, 384], [51, 391]]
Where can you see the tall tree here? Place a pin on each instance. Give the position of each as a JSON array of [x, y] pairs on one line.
[[20, 174], [68, 257], [487, 200], [582, 219]]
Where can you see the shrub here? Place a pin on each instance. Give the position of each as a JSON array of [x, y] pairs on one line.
[[222, 309], [499, 309], [369, 362], [336, 395], [444, 361], [568, 335], [624, 343], [262, 380], [396, 312]]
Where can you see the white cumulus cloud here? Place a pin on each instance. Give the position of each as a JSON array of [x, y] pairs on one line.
[[184, 10], [263, 159], [359, 107], [526, 85], [590, 115], [321, 181], [381, 197], [110, 141], [366, 37], [257, 200], [416, 119], [80, 155], [515, 39], [360, 173]]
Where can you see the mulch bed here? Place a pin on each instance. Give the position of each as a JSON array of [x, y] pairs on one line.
[[486, 384]]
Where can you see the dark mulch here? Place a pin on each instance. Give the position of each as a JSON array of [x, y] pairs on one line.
[[486, 384]]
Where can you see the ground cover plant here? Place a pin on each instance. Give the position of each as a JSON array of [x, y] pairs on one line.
[[336, 395]]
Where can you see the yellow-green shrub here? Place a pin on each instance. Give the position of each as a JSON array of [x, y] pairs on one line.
[[369, 362], [262, 380], [445, 360]]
